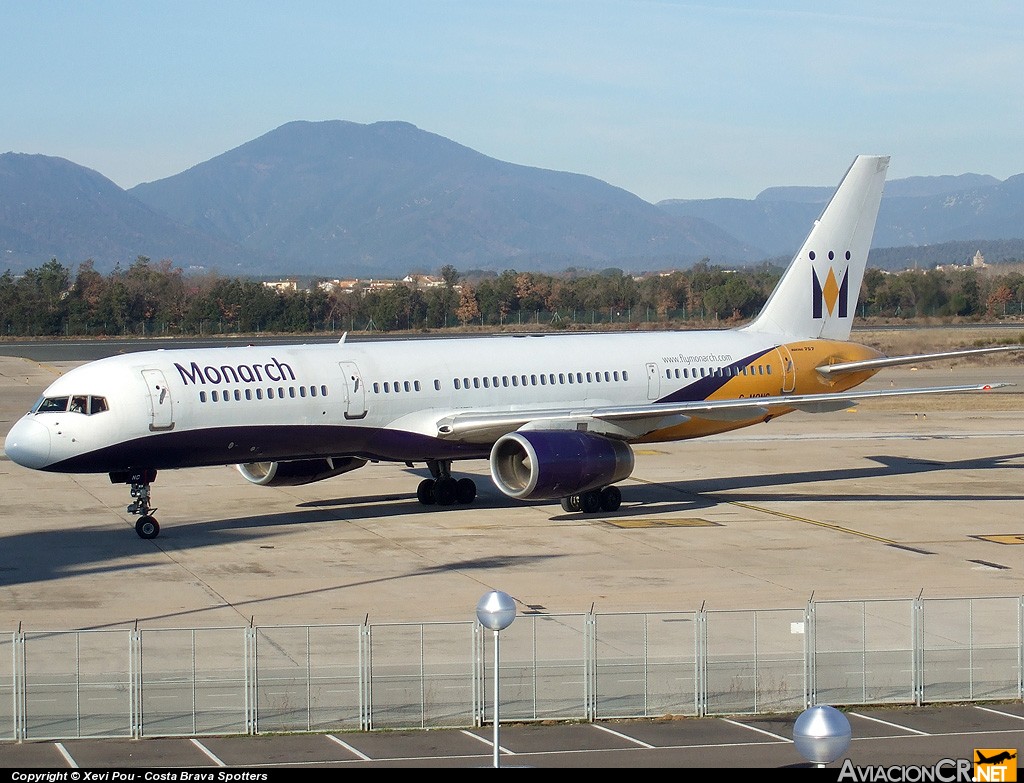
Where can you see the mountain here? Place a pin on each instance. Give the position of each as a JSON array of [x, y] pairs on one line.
[[341, 198], [915, 211], [53, 208]]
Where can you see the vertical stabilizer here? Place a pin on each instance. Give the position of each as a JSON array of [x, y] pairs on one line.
[[817, 295]]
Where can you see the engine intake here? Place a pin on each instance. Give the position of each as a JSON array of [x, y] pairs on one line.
[[546, 464], [296, 472]]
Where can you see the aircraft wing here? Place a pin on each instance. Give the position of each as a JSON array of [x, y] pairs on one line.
[[632, 421], [834, 370]]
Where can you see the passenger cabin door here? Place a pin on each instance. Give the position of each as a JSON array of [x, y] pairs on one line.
[[788, 370], [355, 393], [653, 381], [160, 409]]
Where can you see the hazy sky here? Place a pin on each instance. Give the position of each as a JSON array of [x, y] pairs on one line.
[[665, 99]]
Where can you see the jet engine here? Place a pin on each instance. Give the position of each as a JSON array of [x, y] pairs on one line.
[[296, 472], [547, 464]]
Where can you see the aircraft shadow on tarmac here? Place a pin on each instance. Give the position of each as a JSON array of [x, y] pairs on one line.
[[117, 550]]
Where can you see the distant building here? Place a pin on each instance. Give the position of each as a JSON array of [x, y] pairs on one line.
[[282, 286], [978, 261], [338, 286]]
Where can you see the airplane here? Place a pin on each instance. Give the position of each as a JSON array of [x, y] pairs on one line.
[[998, 758], [556, 416]]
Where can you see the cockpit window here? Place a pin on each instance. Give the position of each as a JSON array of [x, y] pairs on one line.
[[52, 405], [79, 403]]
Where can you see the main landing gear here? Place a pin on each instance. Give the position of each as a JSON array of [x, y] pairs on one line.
[[146, 525], [607, 499], [442, 489]]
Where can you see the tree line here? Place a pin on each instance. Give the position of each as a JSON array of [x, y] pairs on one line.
[[148, 298]]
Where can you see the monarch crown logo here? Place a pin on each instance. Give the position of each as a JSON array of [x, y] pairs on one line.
[[831, 296]]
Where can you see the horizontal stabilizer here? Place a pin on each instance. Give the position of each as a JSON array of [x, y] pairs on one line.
[[833, 370]]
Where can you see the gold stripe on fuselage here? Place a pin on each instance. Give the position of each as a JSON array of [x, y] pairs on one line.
[[793, 370]]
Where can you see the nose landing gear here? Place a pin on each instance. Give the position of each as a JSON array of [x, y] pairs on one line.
[[146, 525]]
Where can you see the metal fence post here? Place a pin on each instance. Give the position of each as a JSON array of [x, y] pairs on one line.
[[810, 646], [917, 636], [135, 717], [477, 685], [700, 649], [590, 665], [365, 667], [18, 665], [249, 677]]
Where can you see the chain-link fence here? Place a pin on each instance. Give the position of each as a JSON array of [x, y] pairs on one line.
[[251, 680]]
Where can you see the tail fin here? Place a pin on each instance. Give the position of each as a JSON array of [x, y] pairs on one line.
[[817, 295]]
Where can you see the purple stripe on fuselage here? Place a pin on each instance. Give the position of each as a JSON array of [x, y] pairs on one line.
[[703, 388], [232, 445]]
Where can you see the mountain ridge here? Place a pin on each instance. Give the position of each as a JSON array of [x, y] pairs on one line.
[[337, 198]]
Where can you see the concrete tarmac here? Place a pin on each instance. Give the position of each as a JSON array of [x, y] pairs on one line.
[[895, 499]]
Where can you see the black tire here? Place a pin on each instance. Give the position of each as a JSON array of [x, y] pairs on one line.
[[465, 491], [571, 503], [425, 492], [147, 527], [445, 491], [611, 499], [590, 502]]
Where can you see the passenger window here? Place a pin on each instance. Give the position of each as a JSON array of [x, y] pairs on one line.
[[202, 396], [302, 390], [270, 394], [248, 394], [437, 384], [213, 396], [259, 394]]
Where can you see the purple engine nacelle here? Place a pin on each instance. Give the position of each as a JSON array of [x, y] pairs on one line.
[[546, 464]]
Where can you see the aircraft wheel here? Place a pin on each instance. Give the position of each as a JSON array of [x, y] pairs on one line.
[[571, 503], [590, 502], [465, 491], [425, 492], [147, 527], [445, 490], [611, 499]]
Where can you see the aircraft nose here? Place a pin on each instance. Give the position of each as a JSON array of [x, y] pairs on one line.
[[28, 444]]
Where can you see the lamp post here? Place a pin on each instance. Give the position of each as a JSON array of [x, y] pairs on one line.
[[822, 734], [496, 610]]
